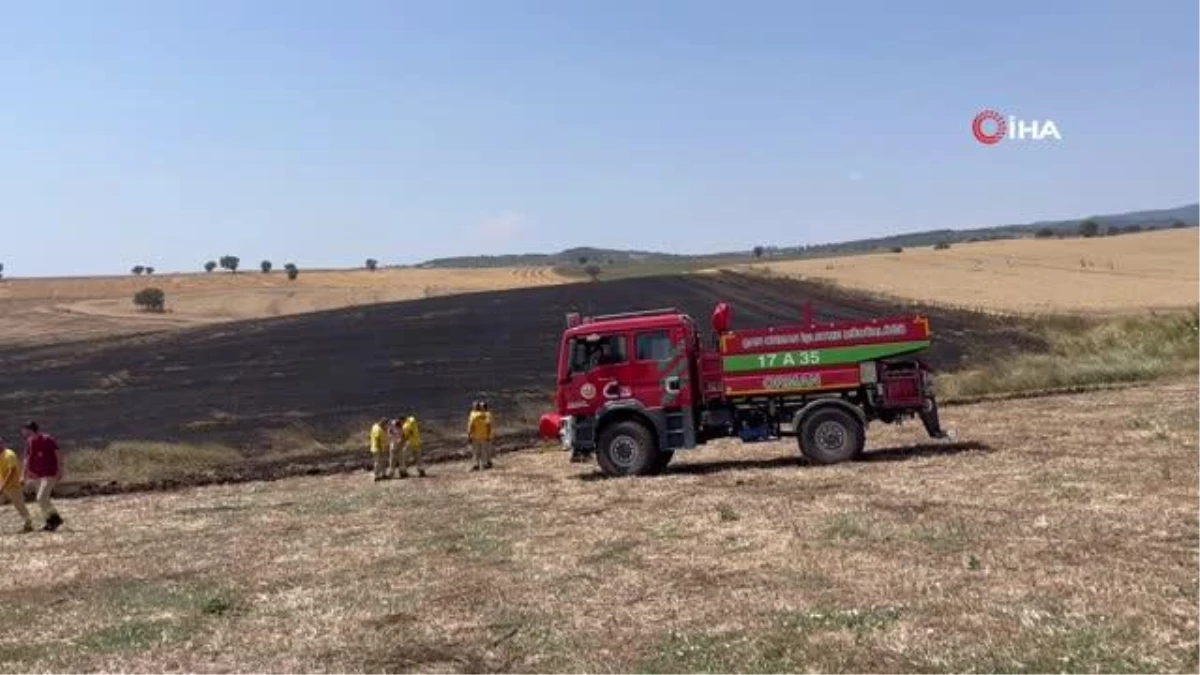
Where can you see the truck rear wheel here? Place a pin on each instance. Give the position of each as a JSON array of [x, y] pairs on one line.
[[829, 435], [627, 449]]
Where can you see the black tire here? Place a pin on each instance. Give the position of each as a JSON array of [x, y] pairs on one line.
[[830, 434], [627, 449]]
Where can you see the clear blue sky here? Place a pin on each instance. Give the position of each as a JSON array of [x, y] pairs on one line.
[[169, 133]]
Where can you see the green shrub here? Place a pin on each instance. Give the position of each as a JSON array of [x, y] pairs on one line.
[[150, 299]]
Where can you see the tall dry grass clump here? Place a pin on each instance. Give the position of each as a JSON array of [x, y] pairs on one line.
[[1085, 352], [131, 461]]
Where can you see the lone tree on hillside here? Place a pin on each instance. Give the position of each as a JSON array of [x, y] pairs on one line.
[[138, 269], [372, 264], [150, 299], [593, 271], [1089, 228], [292, 271], [230, 262], [210, 265], [266, 266], [1, 270], [758, 251]]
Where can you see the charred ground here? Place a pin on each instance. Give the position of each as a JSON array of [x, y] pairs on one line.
[[326, 373]]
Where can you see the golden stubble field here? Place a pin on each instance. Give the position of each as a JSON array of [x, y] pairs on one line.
[[1127, 273], [1056, 535], [53, 309]]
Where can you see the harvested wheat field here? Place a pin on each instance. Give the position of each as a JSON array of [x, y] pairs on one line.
[[1151, 270], [1056, 535], [70, 309]]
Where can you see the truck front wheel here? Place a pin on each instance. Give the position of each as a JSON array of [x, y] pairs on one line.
[[626, 449], [829, 435]]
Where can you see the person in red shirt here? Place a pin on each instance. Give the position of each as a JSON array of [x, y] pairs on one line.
[[43, 468]]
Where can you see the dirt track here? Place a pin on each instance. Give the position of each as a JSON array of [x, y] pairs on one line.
[[326, 373]]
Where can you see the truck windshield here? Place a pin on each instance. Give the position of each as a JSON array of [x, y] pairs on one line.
[[586, 355]]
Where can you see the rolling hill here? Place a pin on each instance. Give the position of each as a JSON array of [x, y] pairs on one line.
[[1098, 275], [571, 256], [1182, 216]]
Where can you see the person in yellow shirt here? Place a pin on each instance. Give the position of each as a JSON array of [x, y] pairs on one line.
[[394, 441], [477, 436], [489, 443], [378, 440], [410, 445], [12, 484]]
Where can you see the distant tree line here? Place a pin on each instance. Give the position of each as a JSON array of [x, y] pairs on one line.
[[942, 239], [233, 262], [1091, 228], [591, 261]]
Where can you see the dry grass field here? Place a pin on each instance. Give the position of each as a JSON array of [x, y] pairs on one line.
[[1135, 272], [1056, 535], [1103, 275], [69, 309]]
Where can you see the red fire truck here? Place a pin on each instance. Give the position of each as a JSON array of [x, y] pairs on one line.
[[635, 388]]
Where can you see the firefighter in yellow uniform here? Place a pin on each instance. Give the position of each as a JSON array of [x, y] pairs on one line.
[[477, 437], [12, 484], [490, 442], [410, 446], [378, 441]]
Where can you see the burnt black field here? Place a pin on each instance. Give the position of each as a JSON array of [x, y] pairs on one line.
[[326, 373]]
